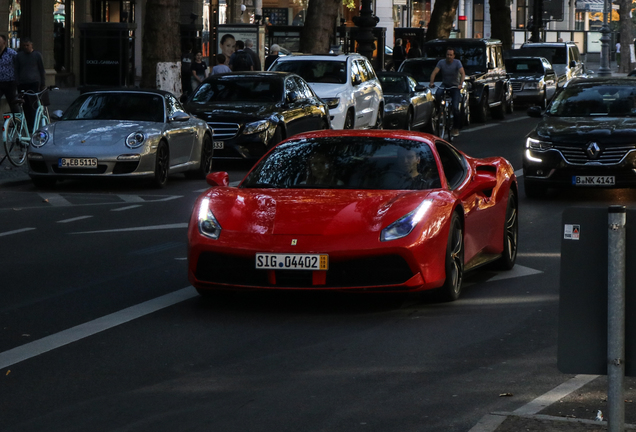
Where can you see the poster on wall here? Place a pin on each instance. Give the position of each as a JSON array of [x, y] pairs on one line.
[[227, 35]]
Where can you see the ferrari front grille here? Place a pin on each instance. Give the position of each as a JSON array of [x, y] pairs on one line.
[[224, 131]]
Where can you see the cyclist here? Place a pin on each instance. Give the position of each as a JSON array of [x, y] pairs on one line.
[[453, 76]]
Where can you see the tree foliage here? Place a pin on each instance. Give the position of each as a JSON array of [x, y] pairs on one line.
[[442, 18], [320, 24]]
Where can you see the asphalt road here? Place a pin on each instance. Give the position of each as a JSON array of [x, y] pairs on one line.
[[100, 331]]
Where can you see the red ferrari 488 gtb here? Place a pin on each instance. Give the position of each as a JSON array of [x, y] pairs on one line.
[[368, 211]]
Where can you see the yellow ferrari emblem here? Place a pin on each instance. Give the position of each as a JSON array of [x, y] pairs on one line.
[[294, 242]]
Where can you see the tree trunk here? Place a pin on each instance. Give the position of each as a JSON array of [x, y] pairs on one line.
[[442, 18], [627, 35], [501, 23], [320, 25], [161, 39]]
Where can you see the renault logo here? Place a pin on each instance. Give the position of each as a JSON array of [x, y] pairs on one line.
[[593, 150]]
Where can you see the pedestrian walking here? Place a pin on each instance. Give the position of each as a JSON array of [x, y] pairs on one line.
[[221, 67], [241, 60], [8, 86], [399, 54], [273, 55], [248, 48]]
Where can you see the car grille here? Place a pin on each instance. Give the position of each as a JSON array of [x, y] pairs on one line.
[[224, 131], [609, 155], [364, 272], [516, 85]]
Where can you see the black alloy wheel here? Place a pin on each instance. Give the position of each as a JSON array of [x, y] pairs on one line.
[[452, 287], [409, 120], [499, 112], [511, 234], [162, 165], [466, 113], [510, 105], [349, 120], [379, 119], [205, 167], [482, 109]]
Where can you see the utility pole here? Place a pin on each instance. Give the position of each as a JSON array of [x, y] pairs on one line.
[[537, 20]]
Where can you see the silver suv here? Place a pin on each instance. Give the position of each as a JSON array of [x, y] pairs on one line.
[[564, 57], [346, 82]]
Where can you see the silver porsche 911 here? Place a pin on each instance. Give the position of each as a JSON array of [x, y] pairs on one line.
[[121, 133]]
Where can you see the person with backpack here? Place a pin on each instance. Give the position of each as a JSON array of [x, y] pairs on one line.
[[241, 59]]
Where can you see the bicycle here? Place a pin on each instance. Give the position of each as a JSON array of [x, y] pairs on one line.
[[16, 134], [445, 119]]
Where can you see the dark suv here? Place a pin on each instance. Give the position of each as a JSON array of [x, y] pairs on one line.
[[483, 62]]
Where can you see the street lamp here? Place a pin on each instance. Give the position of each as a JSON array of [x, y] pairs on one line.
[[605, 70], [366, 21]]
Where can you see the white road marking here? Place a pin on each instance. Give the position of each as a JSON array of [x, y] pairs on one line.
[[56, 200], [126, 208], [131, 198], [74, 219], [517, 271], [169, 198], [146, 228], [15, 231], [540, 254], [65, 337], [514, 119], [519, 173], [478, 128]]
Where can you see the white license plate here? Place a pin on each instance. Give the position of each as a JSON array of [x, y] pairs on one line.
[[77, 163], [218, 145], [292, 261], [593, 180]]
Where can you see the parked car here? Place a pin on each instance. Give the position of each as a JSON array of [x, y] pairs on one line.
[[132, 133], [346, 82], [250, 112], [407, 104], [362, 211], [563, 56], [533, 80], [421, 69], [489, 85], [585, 138]]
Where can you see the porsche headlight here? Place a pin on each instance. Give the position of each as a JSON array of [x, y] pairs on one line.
[[208, 225], [535, 144], [395, 107], [39, 138], [256, 127], [403, 226], [135, 139], [332, 102]]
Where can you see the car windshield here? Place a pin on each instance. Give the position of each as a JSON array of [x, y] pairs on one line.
[[347, 162], [392, 84], [421, 70], [555, 55], [533, 66], [473, 57], [315, 71], [117, 106], [589, 99], [234, 88]]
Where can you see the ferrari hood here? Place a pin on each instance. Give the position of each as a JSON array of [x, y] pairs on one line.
[[310, 212], [97, 132]]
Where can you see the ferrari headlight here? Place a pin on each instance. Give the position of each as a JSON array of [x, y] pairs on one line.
[[256, 127], [535, 144], [39, 138], [208, 225], [332, 102], [395, 107], [403, 226], [135, 139]]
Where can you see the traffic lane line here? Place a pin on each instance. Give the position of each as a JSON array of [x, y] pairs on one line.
[[74, 219], [6, 233], [143, 228], [82, 331]]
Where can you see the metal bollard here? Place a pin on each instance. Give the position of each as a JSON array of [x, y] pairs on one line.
[[616, 319]]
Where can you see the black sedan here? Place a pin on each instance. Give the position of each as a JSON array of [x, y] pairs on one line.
[[407, 104], [252, 111], [533, 80], [585, 137]]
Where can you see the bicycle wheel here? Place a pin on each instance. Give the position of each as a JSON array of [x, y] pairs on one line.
[[14, 146]]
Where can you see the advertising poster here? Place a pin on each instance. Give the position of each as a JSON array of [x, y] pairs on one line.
[[227, 35]]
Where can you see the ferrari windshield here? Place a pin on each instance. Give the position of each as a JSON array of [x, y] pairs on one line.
[[347, 162], [593, 99], [315, 71], [239, 88], [117, 106]]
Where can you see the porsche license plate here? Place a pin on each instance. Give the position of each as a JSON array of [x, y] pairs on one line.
[[292, 261], [593, 180], [77, 163], [219, 145]]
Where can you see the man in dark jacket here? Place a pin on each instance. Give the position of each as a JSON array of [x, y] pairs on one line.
[[241, 59], [399, 54], [248, 48]]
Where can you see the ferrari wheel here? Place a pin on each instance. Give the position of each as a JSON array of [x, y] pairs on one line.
[[452, 287], [162, 165], [511, 234], [205, 166]]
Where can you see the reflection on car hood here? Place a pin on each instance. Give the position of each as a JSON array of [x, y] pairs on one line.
[[327, 90], [310, 211], [237, 112], [395, 98], [97, 132], [585, 129], [518, 76], [559, 69]]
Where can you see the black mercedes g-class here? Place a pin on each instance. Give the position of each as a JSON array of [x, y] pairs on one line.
[[483, 62]]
